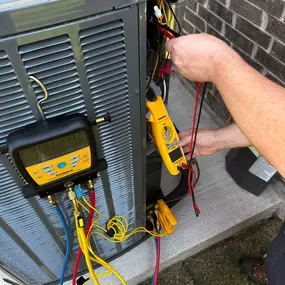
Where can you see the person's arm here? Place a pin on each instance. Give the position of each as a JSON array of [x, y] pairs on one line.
[[211, 141], [256, 104]]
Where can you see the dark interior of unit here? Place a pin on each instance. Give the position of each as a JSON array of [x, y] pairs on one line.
[[154, 190]]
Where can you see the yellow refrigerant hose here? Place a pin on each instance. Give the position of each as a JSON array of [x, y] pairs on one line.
[[84, 246]]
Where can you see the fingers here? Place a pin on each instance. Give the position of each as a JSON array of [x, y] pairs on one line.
[[169, 45], [186, 148], [184, 141], [184, 133], [184, 138]]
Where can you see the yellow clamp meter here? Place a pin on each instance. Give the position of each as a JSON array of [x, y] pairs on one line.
[[165, 136], [166, 218]]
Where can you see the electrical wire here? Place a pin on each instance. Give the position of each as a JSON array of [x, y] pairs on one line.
[[175, 17], [187, 193], [164, 14], [155, 281], [193, 162], [164, 90], [199, 118], [167, 28], [193, 143], [85, 244], [191, 189], [43, 99], [166, 33], [155, 241], [194, 119], [155, 66], [89, 224], [83, 206], [103, 263], [119, 226], [68, 243], [155, 63], [84, 247]]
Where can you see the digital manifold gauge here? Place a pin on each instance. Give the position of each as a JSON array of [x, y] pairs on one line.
[[165, 136], [50, 153]]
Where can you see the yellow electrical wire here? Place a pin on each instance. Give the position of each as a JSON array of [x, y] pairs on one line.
[[120, 226], [94, 209], [100, 261], [154, 69], [162, 8], [83, 206], [84, 247]]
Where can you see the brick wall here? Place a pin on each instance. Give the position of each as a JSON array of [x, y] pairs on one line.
[[254, 28]]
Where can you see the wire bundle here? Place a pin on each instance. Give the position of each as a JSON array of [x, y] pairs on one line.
[[118, 225], [86, 248], [163, 28], [165, 20]]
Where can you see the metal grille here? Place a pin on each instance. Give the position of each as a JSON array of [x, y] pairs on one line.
[[83, 64], [17, 213], [104, 56], [52, 62], [8, 251], [14, 109]]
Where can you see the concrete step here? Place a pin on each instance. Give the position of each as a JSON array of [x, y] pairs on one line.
[[225, 208]]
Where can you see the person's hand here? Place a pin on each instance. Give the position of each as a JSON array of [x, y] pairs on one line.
[[205, 143], [196, 57]]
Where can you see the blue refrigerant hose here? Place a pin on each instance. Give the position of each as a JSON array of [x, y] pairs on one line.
[[68, 244]]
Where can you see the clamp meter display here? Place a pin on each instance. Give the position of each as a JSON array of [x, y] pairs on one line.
[[165, 136], [55, 151]]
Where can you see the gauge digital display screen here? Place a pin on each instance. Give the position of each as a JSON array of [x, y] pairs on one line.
[[53, 148], [176, 154]]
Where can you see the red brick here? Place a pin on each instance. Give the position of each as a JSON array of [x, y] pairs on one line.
[[221, 11], [254, 33], [278, 50], [195, 20], [271, 63], [276, 28], [238, 39], [210, 18], [274, 7], [247, 10]]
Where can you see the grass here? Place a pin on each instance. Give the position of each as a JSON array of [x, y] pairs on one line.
[[218, 265]]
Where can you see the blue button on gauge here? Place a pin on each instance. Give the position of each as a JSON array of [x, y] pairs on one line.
[[61, 165]]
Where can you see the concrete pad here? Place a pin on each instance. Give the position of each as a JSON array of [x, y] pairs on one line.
[[225, 208], [178, 274]]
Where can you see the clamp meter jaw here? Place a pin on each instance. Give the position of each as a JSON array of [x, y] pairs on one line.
[[55, 151], [165, 136]]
